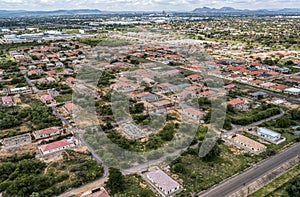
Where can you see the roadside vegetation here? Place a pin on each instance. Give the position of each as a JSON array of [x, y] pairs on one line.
[[26, 176]]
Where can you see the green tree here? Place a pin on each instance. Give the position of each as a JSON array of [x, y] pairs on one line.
[[293, 188], [283, 122], [115, 181]]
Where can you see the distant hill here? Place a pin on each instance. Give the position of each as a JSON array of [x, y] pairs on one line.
[[233, 11], [45, 13]]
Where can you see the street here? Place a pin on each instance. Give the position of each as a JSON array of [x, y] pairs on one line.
[[235, 183], [286, 97]]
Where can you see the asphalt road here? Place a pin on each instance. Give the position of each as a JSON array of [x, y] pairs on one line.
[[287, 97], [233, 184]]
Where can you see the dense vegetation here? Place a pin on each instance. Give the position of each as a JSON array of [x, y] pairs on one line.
[[64, 89], [37, 116], [293, 187], [254, 115], [27, 176]]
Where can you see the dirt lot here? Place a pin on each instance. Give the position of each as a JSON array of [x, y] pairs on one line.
[[7, 152]]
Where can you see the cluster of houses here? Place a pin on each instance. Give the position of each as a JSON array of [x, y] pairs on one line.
[[251, 145], [38, 136], [263, 76]]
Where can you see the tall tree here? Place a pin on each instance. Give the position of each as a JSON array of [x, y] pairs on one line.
[[115, 181]]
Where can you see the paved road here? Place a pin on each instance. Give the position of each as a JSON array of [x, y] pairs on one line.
[[286, 97], [90, 186], [234, 184], [236, 128], [29, 82], [94, 154]]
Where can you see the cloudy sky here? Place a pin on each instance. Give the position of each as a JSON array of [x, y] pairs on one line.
[[144, 5]]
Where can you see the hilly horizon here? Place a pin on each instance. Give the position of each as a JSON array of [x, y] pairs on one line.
[[208, 10], [52, 12], [203, 10]]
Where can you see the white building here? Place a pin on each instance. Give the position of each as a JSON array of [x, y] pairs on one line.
[[55, 147], [45, 133], [270, 135], [22, 90], [293, 91], [193, 113], [163, 183]]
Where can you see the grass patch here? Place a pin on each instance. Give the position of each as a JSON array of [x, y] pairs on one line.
[[199, 175], [64, 98], [136, 186], [276, 187]]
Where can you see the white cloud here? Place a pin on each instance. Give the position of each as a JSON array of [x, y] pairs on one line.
[[143, 4]]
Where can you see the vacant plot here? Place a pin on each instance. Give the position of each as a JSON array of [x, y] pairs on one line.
[[197, 175]]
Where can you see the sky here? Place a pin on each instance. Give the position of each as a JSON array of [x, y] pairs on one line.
[[144, 5]]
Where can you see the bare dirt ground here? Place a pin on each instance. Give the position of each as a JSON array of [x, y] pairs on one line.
[[8, 152]]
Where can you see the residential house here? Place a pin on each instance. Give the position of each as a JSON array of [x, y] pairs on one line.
[[194, 77], [55, 147], [279, 87], [46, 133], [293, 91], [259, 94], [239, 104], [248, 144], [256, 82], [163, 104], [294, 79], [229, 87], [7, 101], [47, 99], [101, 192], [71, 80], [193, 113], [70, 108], [147, 96], [21, 90], [267, 85], [163, 183], [207, 93]]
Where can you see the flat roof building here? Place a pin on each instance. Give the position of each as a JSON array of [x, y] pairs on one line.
[[18, 140], [293, 91], [163, 183], [270, 135]]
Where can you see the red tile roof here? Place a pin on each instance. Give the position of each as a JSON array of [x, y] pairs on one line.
[[208, 92], [273, 73], [47, 98], [235, 102], [194, 112], [280, 87], [55, 145], [71, 80], [49, 130], [256, 81], [191, 88], [194, 76], [70, 107], [249, 142], [230, 86], [294, 79], [7, 99], [101, 193]]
